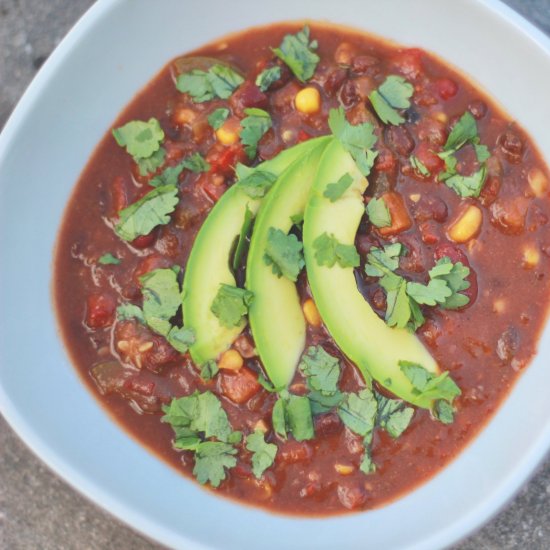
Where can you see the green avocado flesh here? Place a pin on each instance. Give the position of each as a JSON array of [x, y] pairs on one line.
[[275, 316], [374, 347], [208, 265]]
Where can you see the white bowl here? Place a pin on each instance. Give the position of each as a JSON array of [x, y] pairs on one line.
[[111, 53]]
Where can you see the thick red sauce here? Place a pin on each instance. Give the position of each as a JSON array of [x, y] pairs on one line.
[[485, 345]]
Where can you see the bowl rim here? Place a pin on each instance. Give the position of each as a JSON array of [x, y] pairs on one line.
[[113, 504]]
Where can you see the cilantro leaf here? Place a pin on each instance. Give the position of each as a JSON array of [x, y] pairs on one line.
[[219, 81], [334, 191], [161, 298], [169, 176], [201, 413], [284, 254], [464, 131], [393, 415], [467, 186], [152, 163], [141, 139], [321, 369], [419, 166], [296, 51], [292, 414], [381, 261], [254, 126], [209, 370], [267, 77], [358, 412], [218, 117], [108, 259], [393, 94], [181, 338], [241, 242], [328, 251], [263, 453], [443, 411], [431, 386], [455, 276], [231, 304], [358, 140], [367, 465], [398, 308], [378, 213], [147, 213], [126, 312], [321, 403], [212, 458], [435, 292], [255, 183]]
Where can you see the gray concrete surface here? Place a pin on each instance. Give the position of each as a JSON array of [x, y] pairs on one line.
[[37, 509]]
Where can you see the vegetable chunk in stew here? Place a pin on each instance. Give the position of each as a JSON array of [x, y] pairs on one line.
[[305, 266]]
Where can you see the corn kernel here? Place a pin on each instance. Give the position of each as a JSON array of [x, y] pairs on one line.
[[467, 225], [531, 257], [499, 305], [311, 313], [261, 426], [230, 360], [184, 116], [538, 182], [288, 135], [440, 116], [308, 101], [146, 346], [344, 469], [228, 133], [415, 197]]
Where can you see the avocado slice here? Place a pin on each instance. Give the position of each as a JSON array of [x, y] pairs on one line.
[[208, 265], [374, 347], [275, 316]]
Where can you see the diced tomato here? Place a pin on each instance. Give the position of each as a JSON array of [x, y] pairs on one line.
[[351, 496], [303, 136], [291, 452], [385, 161], [446, 88], [428, 230], [223, 160], [409, 62], [100, 310], [426, 155], [142, 387], [240, 385], [144, 241], [400, 219], [509, 214], [118, 195], [210, 185]]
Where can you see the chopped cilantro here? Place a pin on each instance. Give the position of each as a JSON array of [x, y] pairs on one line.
[[321, 369], [393, 415], [430, 386], [263, 453], [292, 413], [267, 77], [125, 312], [209, 370], [367, 465], [152, 163], [296, 51], [380, 261], [254, 126], [378, 212], [419, 166], [455, 276], [147, 213], [141, 139], [180, 338], [358, 140], [328, 251], [284, 254], [255, 183], [435, 292], [218, 117], [108, 259], [231, 304], [334, 191], [212, 458], [169, 176], [393, 94], [243, 235], [358, 412], [321, 403], [219, 81], [464, 133]]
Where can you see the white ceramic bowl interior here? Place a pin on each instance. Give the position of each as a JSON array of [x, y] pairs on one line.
[[112, 52]]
